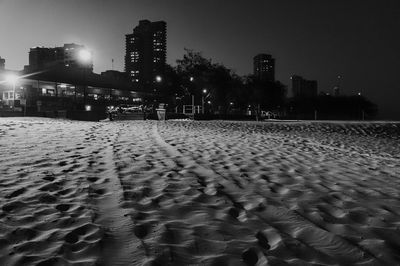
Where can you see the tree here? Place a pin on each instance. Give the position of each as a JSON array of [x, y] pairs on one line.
[[198, 73], [264, 94], [333, 107]]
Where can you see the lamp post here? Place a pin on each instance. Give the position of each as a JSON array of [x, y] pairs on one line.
[[157, 89], [12, 79], [191, 79], [202, 100], [85, 57], [360, 106], [158, 80], [231, 106]]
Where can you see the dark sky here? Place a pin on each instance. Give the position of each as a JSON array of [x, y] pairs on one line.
[[319, 39]]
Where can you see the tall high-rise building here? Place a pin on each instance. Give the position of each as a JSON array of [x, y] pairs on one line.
[[2, 63], [73, 56], [145, 55], [264, 67], [304, 88]]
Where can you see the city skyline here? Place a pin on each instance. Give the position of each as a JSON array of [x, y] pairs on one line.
[[320, 41]]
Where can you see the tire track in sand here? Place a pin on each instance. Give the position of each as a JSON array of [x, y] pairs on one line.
[[119, 245], [280, 217]]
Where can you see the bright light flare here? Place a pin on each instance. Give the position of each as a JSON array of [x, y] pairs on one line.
[[205, 91], [158, 78], [85, 56], [12, 78]]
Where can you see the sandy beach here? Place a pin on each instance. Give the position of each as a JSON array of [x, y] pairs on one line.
[[199, 193]]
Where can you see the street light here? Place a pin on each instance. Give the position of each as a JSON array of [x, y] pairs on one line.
[[12, 79], [85, 57], [158, 79], [202, 100]]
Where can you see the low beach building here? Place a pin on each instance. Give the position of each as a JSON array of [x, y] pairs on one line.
[[64, 92]]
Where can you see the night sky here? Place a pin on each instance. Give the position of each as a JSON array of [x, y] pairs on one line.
[[318, 39]]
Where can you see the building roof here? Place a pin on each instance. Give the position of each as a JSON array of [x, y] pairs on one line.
[[77, 77]]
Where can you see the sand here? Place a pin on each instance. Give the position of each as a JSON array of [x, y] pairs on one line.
[[199, 193]]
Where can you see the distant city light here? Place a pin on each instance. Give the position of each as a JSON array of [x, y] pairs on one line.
[[359, 94], [88, 108], [231, 103], [85, 56], [158, 78], [205, 91], [209, 102], [191, 78]]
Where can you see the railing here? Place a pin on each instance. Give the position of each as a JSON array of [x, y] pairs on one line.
[[192, 109]]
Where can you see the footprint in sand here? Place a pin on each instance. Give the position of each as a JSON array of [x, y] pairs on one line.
[[47, 198], [263, 240], [16, 193], [141, 230], [92, 179], [250, 256], [12, 206], [63, 207]]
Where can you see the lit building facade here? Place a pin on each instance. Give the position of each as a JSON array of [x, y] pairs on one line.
[[264, 67], [68, 56], [48, 92], [145, 55], [304, 88]]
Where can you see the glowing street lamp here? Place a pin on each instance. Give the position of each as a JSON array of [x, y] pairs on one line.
[[84, 56], [12, 79], [202, 100]]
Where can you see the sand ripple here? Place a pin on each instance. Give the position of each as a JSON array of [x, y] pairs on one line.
[[198, 193]]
